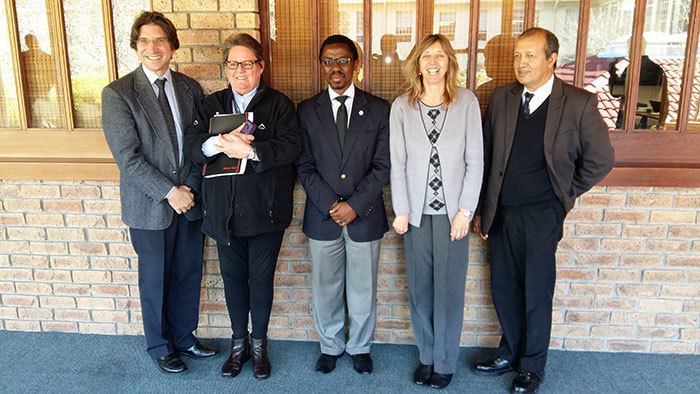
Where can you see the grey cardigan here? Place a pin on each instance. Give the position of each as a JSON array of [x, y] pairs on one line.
[[461, 151]]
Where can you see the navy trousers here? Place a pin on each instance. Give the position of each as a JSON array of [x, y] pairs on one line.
[[170, 276]]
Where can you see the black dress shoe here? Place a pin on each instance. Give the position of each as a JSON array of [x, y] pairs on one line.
[[240, 353], [170, 364], [198, 350], [261, 363], [422, 374], [362, 363], [326, 362], [493, 366], [440, 380], [527, 382]]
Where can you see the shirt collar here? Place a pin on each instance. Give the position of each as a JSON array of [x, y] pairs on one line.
[[153, 76], [246, 97], [544, 91], [350, 92]]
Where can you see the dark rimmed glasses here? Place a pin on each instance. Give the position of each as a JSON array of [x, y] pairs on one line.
[[246, 64]]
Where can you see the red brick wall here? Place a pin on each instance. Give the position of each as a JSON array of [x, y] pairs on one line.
[[628, 272]]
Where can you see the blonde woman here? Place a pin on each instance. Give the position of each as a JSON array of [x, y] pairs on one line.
[[436, 172]]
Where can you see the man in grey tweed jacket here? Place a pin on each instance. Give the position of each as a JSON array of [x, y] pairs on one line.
[[144, 115]]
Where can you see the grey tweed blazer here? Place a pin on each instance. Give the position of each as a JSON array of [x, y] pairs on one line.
[[138, 137]]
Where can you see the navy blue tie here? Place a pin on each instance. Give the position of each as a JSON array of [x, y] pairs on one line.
[[526, 103]]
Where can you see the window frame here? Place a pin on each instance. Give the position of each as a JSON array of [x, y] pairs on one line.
[[66, 153], [660, 158]]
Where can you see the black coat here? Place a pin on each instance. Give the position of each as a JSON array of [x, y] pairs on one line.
[[260, 200]]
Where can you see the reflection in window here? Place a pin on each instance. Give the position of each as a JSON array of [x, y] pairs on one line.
[[694, 113], [87, 59], [124, 12], [404, 25], [500, 25], [452, 20], [9, 111], [448, 25], [290, 52], [39, 64]]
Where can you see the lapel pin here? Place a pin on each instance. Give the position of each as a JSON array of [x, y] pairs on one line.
[[361, 112]]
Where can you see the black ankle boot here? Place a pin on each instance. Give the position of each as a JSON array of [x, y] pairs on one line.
[[240, 353], [261, 364]]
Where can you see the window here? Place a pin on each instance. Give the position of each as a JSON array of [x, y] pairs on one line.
[[653, 147], [54, 62], [447, 25], [404, 25]]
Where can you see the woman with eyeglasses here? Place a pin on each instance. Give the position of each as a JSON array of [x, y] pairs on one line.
[[436, 171], [247, 214]]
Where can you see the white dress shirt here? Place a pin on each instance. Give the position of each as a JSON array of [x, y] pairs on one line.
[[335, 104], [540, 95]]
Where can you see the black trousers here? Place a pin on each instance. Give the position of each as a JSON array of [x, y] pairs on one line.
[[170, 276], [248, 270], [523, 273]]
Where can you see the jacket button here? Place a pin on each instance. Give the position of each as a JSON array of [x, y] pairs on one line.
[[343, 176], [174, 172]]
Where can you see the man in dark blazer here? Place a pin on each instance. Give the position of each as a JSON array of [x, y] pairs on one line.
[[343, 167], [144, 115], [545, 144]]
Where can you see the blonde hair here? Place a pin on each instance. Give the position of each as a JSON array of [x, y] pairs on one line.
[[411, 70]]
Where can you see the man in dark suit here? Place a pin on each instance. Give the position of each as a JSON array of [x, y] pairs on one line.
[[545, 144], [144, 115], [343, 167]]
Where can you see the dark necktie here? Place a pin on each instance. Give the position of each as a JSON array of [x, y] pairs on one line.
[[168, 114], [341, 120], [526, 103]]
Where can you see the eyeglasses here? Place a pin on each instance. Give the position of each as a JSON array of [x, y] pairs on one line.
[[246, 64], [342, 61]]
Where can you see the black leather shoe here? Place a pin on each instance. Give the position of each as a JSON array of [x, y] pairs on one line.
[[171, 364], [493, 366], [261, 363], [240, 353], [440, 380], [362, 363], [422, 374], [326, 362], [527, 382], [199, 350]]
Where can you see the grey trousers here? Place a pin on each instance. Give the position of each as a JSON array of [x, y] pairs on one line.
[[436, 272], [338, 266]]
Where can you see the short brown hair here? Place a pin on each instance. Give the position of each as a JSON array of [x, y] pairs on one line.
[[244, 40], [156, 18]]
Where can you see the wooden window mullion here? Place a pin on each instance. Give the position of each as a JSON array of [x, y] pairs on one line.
[[529, 14], [689, 68], [367, 43], [315, 10], [110, 47], [584, 18], [17, 65], [60, 47], [266, 39], [634, 68], [473, 44]]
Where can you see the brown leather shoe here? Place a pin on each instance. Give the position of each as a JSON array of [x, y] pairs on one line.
[[240, 353], [258, 352]]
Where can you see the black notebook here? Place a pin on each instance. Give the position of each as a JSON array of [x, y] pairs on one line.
[[223, 165]]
